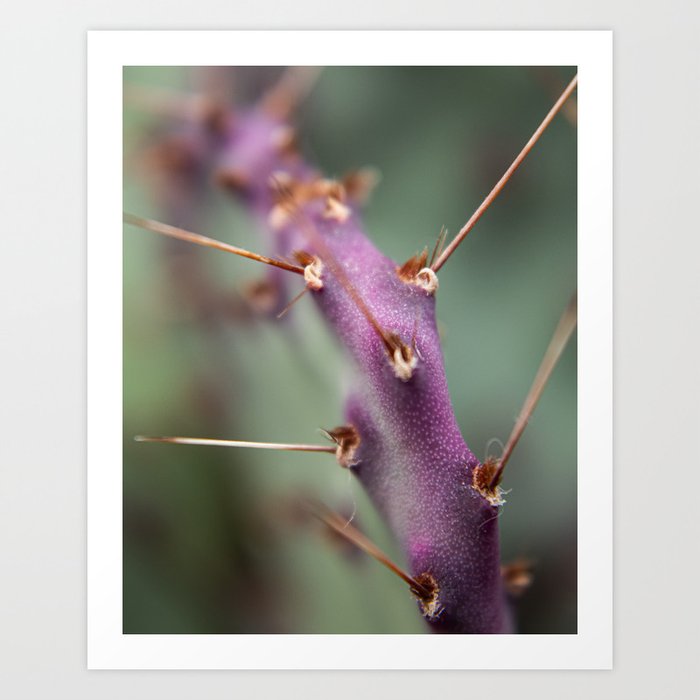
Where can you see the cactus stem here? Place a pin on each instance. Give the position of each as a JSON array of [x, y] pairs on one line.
[[357, 299], [401, 357], [491, 196], [181, 234]]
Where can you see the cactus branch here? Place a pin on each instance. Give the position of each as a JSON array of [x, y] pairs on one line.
[[400, 355], [506, 176]]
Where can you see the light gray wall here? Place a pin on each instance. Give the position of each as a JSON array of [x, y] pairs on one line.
[[42, 346]]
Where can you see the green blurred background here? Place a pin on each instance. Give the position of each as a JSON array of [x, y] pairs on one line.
[[212, 543]]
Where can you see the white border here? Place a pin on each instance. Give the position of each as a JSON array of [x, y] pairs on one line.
[[591, 647]]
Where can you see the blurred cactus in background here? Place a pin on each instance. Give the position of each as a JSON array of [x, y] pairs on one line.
[[222, 348]]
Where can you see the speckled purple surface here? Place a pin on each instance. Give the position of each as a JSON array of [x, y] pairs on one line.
[[412, 460]]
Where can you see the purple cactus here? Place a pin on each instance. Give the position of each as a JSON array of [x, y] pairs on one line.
[[400, 437]]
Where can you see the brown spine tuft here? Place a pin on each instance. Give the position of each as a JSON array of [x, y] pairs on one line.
[[415, 271], [234, 181], [285, 141], [348, 440], [427, 592], [482, 481], [408, 271], [262, 296], [359, 184]]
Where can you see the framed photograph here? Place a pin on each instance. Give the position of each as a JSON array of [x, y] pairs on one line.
[[350, 350]]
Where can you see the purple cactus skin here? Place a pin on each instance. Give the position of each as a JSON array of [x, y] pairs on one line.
[[412, 459]]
